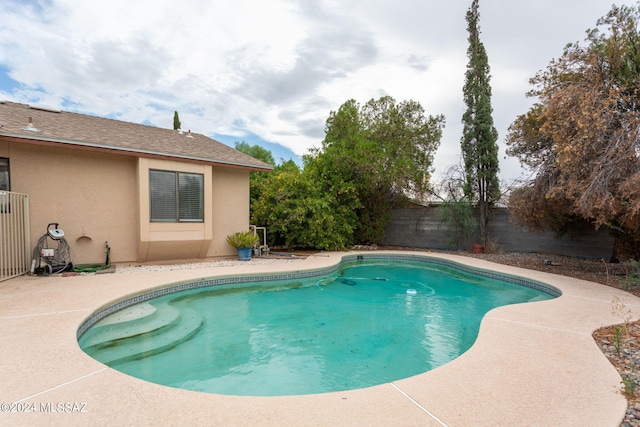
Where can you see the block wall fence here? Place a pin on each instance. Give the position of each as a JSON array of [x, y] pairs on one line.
[[422, 227]]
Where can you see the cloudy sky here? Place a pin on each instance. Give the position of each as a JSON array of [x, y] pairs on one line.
[[269, 72]]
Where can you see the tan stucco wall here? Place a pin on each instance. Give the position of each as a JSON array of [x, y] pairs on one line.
[[171, 240], [89, 194], [230, 208], [100, 197]]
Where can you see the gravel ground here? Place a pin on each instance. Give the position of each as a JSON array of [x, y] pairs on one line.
[[138, 268], [620, 344]]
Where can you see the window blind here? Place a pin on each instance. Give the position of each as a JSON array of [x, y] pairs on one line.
[[176, 196]]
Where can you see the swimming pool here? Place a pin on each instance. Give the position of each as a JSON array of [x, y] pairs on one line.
[[367, 321]]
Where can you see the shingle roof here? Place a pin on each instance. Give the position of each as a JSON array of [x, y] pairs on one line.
[[84, 131]]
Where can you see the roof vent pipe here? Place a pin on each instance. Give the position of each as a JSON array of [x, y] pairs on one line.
[[189, 134], [30, 127]]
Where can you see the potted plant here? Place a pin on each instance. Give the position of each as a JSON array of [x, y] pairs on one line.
[[243, 241], [478, 248]]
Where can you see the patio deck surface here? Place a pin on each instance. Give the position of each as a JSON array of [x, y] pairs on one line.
[[533, 364]]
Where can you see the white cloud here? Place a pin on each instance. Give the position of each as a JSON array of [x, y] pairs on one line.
[[275, 69]]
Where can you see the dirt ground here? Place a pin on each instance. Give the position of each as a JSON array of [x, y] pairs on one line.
[[591, 269]]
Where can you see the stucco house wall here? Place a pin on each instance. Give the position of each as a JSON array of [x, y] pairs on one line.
[[172, 240], [91, 176], [89, 194], [230, 208]]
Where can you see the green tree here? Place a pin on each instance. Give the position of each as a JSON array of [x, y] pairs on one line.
[[176, 121], [299, 213], [256, 151], [582, 137], [384, 150], [373, 158], [479, 136], [456, 210], [256, 179]]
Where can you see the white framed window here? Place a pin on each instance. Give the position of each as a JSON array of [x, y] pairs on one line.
[[176, 196]]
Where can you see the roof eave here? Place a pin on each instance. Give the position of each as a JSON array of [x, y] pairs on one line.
[[129, 151]]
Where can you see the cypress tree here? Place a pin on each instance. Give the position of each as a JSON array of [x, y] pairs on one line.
[[479, 147], [176, 121]]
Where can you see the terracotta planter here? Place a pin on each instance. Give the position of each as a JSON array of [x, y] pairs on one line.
[[478, 249]]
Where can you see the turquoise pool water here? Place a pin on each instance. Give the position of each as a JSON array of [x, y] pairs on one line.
[[368, 323]]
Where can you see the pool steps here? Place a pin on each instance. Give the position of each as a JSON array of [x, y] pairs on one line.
[[151, 321], [164, 332], [101, 314], [153, 333]]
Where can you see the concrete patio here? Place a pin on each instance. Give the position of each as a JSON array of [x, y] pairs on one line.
[[533, 364]]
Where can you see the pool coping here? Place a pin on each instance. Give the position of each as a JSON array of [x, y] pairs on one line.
[[532, 364], [210, 282]]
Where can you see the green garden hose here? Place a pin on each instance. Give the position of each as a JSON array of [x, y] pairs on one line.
[[92, 268]]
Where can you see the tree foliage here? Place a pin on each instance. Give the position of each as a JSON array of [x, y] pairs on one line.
[[299, 213], [176, 121], [256, 151], [255, 178], [582, 137], [384, 150], [457, 209], [373, 157], [479, 136]]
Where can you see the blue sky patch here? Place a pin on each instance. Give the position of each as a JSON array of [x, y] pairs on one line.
[[7, 84]]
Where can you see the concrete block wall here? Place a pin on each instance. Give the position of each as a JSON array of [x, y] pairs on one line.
[[423, 228]]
